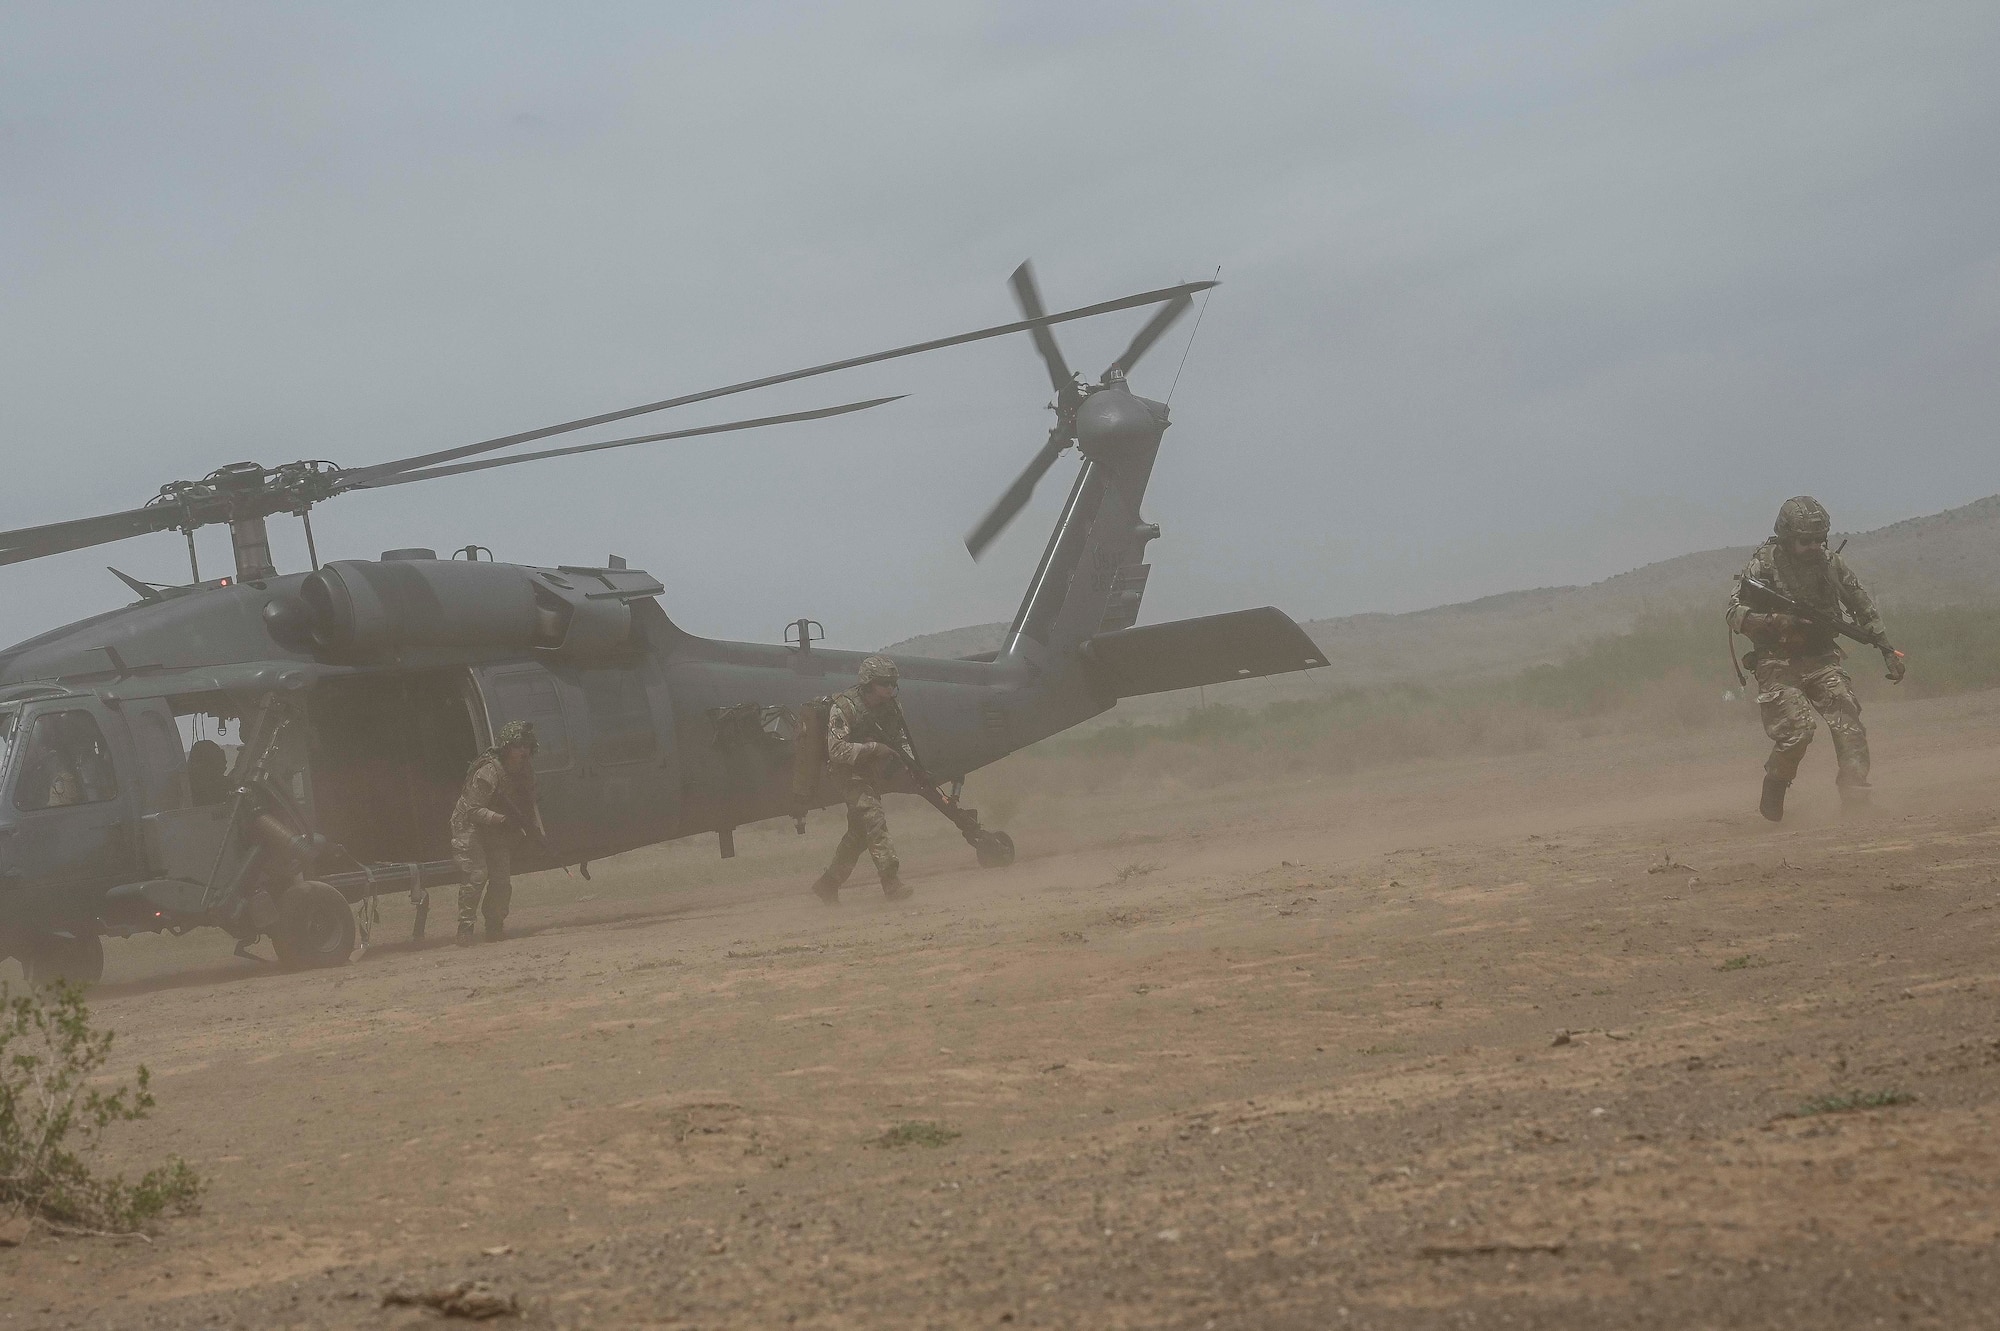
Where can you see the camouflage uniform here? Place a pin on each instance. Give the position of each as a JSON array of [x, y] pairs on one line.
[[1800, 673], [490, 811], [851, 723]]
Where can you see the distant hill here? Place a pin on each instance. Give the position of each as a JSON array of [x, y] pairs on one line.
[[1947, 559]]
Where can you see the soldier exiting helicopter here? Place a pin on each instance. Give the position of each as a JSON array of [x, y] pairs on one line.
[[864, 728], [1796, 658], [497, 804]]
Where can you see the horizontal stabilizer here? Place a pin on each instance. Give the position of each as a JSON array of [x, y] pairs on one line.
[[1159, 658]]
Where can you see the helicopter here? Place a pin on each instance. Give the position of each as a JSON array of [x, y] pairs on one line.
[[362, 689]]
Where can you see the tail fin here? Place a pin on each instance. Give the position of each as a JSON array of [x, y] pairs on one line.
[[1093, 573]]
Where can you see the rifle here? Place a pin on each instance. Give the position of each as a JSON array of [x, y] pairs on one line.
[[994, 849], [1765, 599], [531, 828]]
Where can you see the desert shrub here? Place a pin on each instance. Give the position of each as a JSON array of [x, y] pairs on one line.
[[52, 1119], [1668, 671], [1667, 675], [918, 1134], [1848, 1102], [1611, 671]]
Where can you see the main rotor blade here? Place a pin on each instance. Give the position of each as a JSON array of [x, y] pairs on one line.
[[999, 330], [1017, 496], [56, 537], [432, 473], [1162, 320], [1029, 298]]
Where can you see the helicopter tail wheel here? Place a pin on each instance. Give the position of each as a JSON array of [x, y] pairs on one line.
[[72, 958], [995, 850], [315, 927]]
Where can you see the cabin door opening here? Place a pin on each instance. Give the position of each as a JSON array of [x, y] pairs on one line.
[[389, 755]]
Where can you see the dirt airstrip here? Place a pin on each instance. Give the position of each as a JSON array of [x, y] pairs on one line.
[[1565, 1039]]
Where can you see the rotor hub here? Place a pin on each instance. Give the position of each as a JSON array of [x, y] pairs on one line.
[[1114, 419]]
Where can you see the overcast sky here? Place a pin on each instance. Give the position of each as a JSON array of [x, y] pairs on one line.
[[1514, 294]]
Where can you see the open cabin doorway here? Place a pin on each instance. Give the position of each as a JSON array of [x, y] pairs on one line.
[[389, 754]]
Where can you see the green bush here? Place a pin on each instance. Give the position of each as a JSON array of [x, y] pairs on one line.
[[52, 1120], [1610, 671], [918, 1134]]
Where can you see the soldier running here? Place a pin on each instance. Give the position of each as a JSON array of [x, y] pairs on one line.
[[497, 803], [864, 727], [1798, 662]]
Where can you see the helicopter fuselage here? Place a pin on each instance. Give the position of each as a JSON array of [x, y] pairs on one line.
[[403, 670]]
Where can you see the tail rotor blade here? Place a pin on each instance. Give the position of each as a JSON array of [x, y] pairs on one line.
[[1162, 320], [1017, 496], [1029, 298]]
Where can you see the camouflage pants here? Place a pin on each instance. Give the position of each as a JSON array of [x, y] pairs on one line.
[[486, 863], [1789, 691], [867, 829]]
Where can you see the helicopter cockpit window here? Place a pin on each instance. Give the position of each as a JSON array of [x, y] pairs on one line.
[[65, 762]]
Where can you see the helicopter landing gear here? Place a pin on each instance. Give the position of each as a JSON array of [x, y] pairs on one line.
[[72, 958], [994, 850], [315, 927]]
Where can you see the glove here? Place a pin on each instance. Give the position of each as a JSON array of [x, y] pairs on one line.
[[1897, 666], [873, 752]]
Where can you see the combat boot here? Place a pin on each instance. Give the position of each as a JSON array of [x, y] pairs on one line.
[[495, 930], [827, 890], [464, 938], [895, 889], [1772, 805], [1855, 800]]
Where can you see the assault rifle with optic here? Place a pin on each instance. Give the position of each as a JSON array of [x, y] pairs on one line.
[[1765, 599]]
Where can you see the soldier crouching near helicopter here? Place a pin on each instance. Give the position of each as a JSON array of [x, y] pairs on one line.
[[1796, 659], [864, 727], [498, 803]]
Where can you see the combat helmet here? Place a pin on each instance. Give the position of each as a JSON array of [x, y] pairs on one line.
[[878, 669], [1803, 518], [517, 734]]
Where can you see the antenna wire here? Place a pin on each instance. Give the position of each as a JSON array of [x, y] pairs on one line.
[[1199, 315]]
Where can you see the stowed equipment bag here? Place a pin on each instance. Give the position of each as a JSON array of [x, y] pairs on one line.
[[809, 754]]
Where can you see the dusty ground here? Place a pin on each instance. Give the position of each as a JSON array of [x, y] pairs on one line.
[[1259, 1057]]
